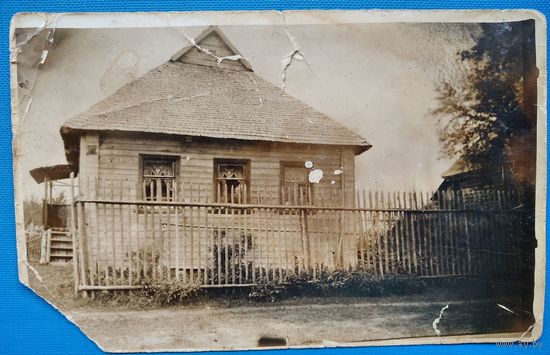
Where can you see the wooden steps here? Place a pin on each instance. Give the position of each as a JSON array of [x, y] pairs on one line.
[[61, 246]]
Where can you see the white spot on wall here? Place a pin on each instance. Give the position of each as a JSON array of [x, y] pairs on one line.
[[315, 176], [333, 182], [309, 164], [338, 172]]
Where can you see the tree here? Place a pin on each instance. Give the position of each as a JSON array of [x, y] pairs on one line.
[[32, 211], [486, 118], [32, 208]]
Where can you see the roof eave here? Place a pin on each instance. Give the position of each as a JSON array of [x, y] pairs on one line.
[[71, 143], [362, 148], [54, 172]]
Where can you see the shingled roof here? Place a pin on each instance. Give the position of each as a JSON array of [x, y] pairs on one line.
[[197, 93]]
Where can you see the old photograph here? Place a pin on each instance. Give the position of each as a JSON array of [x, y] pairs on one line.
[[210, 181]]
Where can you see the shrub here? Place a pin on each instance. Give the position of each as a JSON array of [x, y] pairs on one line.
[[230, 253], [169, 292], [266, 291], [340, 283]]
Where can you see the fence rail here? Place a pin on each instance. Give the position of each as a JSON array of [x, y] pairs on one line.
[[124, 243], [34, 236]]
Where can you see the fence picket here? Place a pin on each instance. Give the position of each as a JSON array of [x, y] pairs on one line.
[[412, 226], [454, 249], [431, 232], [177, 241], [405, 252], [147, 259], [130, 244], [196, 211]]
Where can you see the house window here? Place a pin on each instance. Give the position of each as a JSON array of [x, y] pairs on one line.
[[159, 178], [231, 178], [295, 186]]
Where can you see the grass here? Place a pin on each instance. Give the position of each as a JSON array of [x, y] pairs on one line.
[[343, 288]]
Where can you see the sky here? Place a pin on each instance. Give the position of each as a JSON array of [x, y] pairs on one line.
[[379, 79]]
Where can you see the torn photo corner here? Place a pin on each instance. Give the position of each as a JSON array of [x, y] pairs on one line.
[[343, 178]]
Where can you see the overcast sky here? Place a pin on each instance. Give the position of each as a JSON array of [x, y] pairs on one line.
[[378, 79]]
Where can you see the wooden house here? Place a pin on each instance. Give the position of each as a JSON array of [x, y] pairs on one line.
[[165, 162]]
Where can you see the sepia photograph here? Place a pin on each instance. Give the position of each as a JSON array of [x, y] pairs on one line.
[[225, 181]]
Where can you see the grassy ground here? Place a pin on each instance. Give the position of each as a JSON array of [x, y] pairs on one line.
[[224, 322]]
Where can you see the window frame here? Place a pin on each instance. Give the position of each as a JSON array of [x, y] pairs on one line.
[[294, 164], [246, 171], [174, 159]]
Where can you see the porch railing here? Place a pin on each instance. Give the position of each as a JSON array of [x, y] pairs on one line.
[[125, 243]]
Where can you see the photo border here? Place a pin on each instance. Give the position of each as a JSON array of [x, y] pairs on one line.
[[30, 325]]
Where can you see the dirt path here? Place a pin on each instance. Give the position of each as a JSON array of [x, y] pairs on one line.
[[314, 321], [320, 325]]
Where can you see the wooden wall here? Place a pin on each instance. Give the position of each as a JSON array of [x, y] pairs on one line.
[[119, 158]]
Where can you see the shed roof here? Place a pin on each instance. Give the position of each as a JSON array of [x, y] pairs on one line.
[[55, 172], [194, 94]]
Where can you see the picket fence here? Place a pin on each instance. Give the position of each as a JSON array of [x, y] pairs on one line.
[[123, 243]]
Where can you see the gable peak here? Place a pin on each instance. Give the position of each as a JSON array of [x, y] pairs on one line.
[[212, 48]]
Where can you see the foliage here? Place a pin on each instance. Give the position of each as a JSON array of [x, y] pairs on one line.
[[230, 250], [60, 199], [32, 208], [266, 291], [32, 211], [166, 292], [483, 115], [160, 287], [339, 283]]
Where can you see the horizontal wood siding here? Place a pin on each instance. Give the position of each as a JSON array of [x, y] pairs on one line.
[[119, 160]]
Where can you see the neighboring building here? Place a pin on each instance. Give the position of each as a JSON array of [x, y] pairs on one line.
[[461, 176]]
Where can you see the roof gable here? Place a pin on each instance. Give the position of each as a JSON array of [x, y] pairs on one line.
[[212, 49]]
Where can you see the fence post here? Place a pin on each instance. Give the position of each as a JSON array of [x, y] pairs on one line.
[[80, 243], [306, 238], [466, 221], [339, 245], [43, 247], [74, 237], [48, 245]]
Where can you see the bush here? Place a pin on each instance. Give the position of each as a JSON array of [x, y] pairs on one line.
[[266, 291], [230, 253], [346, 283], [158, 294], [169, 292]]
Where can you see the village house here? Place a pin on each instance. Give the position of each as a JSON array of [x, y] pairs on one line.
[[203, 128], [198, 119]]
